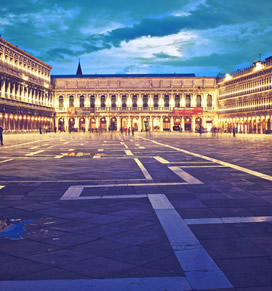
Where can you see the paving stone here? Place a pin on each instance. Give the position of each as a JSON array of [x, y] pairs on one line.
[[231, 248], [247, 272]]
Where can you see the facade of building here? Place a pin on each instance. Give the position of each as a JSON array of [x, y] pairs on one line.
[[245, 99], [26, 99], [31, 99], [119, 102]]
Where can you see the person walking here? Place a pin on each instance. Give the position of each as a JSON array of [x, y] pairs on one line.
[[1, 135], [233, 131], [200, 130], [40, 130], [132, 131], [129, 131]]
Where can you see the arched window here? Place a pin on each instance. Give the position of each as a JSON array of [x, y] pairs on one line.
[[166, 101], [71, 101], [188, 101], [134, 101], [177, 101], [145, 101], [124, 101], [81, 101], [92, 102], [209, 100], [113, 101], [60, 101], [198, 101], [156, 101], [103, 101]]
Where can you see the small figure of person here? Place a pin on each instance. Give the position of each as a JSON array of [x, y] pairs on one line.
[[200, 130], [121, 130], [233, 131], [40, 130], [129, 131], [55, 129], [132, 131], [1, 135]]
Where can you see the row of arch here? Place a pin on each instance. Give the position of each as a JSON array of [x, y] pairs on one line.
[[255, 125], [135, 101], [14, 122], [139, 124]]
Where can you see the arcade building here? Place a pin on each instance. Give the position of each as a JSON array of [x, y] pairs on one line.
[[153, 102], [31, 98], [26, 95]]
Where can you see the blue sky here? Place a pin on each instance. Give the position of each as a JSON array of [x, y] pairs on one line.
[[204, 37]]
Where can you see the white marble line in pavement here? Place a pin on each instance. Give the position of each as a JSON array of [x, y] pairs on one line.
[[6, 161], [59, 157], [185, 176], [73, 192], [128, 152], [211, 166], [106, 197], [120, 284], [2, 186], [96, 156], [241, 169], [35, 153], [22, 144], [143, 169], [200, 269], [100, 150], [66, 142], [35, 147], [161, 160], [124, 145], [71, 150], [248, 219]]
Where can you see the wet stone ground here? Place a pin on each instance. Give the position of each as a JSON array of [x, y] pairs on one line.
[[170, 212]]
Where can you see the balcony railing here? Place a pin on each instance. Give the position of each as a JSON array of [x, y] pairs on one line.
[[135, 109]]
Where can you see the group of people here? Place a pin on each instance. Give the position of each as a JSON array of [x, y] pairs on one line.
[[127, 131]]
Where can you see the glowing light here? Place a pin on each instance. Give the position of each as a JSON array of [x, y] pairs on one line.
[[1, 115], [6, 115], [258, 66], [228, 77]]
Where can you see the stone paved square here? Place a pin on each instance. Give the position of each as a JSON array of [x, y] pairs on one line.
[[196, 209]]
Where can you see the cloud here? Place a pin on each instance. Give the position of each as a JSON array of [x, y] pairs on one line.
[[154, 35]]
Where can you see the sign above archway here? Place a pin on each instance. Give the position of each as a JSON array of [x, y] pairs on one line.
[[188, 110]]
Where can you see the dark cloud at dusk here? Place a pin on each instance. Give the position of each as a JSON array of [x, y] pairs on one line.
[[199, 36]]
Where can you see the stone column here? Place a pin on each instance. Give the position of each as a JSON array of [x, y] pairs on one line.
[[150, 123], [77, 123], [171, 100], [140, 124], [8, 90], [107, 123], [27, 94], [3, 86], [161, 124], [171, 123], [118, 122], [97, 122], [182, 124], [13, 93], [31, 95], [87, 124], [193, 124]]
